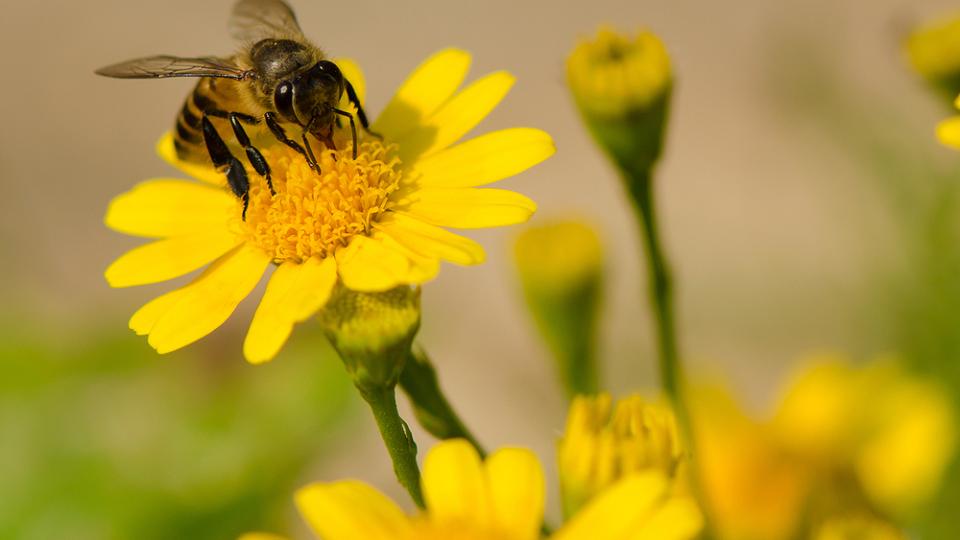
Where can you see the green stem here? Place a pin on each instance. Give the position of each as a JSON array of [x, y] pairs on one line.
[[397, 438], [660, 282], [431, 407], [661, 289]]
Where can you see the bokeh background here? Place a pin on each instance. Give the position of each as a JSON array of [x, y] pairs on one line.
[[806, 206]]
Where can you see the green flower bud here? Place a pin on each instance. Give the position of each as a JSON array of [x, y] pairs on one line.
[[622, 86], [561, 269], [373, 332]]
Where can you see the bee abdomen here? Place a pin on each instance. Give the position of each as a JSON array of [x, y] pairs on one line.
[[188, 135]]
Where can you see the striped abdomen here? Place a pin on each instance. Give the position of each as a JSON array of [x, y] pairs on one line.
[[209, 95]]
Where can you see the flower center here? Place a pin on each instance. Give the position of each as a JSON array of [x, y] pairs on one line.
[[312, 214]]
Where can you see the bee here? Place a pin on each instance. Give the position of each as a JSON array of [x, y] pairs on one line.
[[279, 78]]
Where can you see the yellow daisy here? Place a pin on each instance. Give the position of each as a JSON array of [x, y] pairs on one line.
[[501, 498], [948, 131], [371, 223]]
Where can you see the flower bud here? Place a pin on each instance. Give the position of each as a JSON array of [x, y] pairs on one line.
[[603, 444], [373, 332], [622, 87], [561, 270], [934, 52]]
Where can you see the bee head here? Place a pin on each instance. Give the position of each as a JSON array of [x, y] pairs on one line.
[[310, 97]]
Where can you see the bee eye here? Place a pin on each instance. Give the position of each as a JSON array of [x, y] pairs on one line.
[[329, 68], [283, 101]]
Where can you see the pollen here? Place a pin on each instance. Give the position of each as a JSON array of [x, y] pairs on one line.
[[312, 214]]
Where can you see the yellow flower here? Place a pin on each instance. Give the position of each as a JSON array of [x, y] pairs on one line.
[[948, 131], [842, 441], [501, 498], [753, 489], [603, 444], [895, 432], [934, 52], [371, 223]]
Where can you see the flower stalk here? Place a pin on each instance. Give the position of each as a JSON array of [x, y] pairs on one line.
[[397, 438], [660, 284], [431, 407], [373, 333]]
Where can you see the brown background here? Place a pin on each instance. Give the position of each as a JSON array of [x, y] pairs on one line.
[[770, 227]]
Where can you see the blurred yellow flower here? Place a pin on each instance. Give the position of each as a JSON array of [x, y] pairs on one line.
[[604, 443], [894, 431], [842, 441], [934, 53], [371, 223], [501, 498], [948, 131], [614, 74], [753, 489]]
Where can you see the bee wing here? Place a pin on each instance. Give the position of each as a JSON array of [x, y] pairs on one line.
[[159, 67], [254, 20]]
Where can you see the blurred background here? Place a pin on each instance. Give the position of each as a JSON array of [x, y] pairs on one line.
[[806, 205]]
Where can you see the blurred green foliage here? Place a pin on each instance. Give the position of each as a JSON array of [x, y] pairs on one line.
[[914, 309], [101, 438]]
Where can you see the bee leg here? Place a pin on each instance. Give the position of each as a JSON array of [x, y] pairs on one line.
[[254, 156], [352, 96], [353, 129], [311, 159], [270, 119], [225, 161]]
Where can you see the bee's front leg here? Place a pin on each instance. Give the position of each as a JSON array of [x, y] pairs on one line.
[[270, 119]]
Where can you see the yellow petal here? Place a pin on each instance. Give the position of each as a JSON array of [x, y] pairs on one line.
[[201, 171], [295, 292], [160, 208], [516, 491], [455, 486], [470, 208], [351, 510], [424, 91], [369, 266], [352, 72], [421, 267], [458, 116], [261, 536], [169, 258], [210, 299], [678, 518], [143, 321], [486, 159], [430, 240], [629, 509], [948, 131]]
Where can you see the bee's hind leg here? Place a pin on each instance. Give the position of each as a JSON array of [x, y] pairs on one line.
[[226, 162]]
